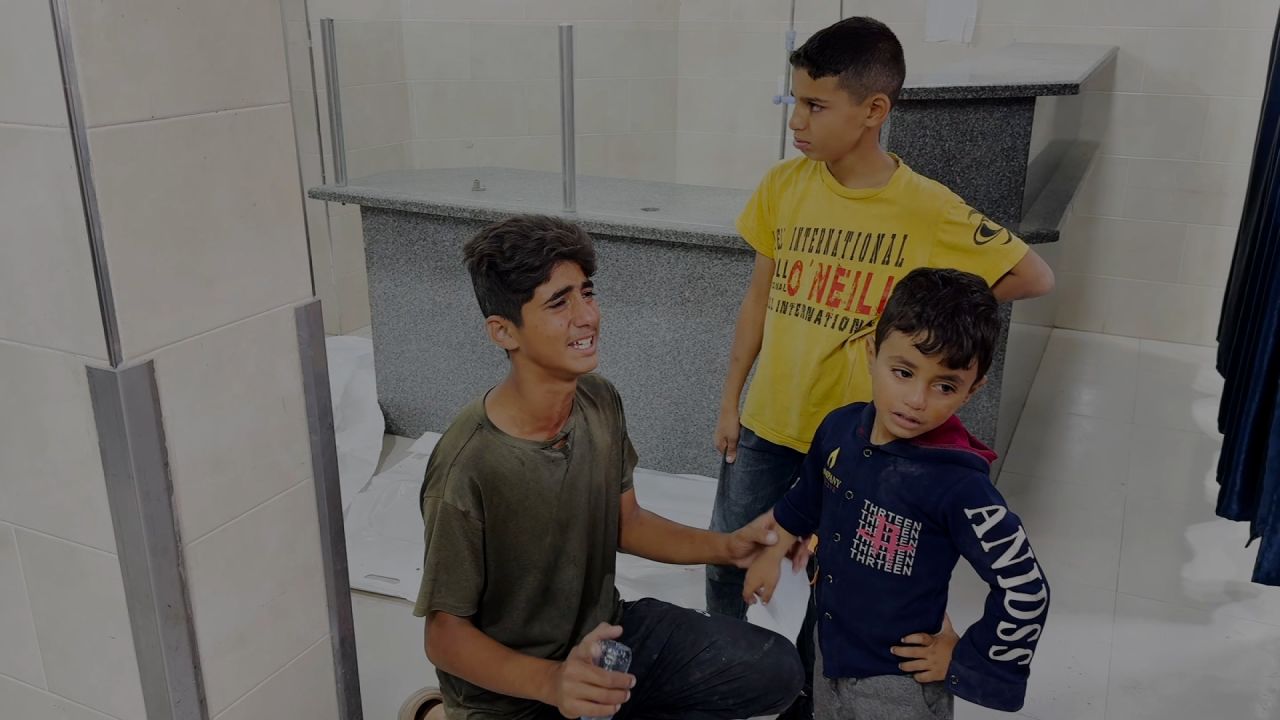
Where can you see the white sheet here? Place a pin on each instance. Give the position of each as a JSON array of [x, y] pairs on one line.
[[785, 612], [358, 424], [384, 527]]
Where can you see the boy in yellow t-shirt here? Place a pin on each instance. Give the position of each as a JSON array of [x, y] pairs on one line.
[[833, 231]]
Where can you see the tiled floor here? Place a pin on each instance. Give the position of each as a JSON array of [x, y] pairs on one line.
[[1112, 471]]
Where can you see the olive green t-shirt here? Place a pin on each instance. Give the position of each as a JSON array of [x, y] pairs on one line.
[[522, 535]]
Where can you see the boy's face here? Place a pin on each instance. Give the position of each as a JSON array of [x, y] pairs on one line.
[[559, 327], [827, 123], [913, 392]]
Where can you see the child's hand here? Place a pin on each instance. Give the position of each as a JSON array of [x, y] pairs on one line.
[[800, 552], [929, 655], [762, 579], [726, 437]]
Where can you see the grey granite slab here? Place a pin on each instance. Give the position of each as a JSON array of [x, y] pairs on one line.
[[977, 148], [1018, 70], [666, 212], [1042, 221]]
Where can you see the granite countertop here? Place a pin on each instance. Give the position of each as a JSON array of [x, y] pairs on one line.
[[668, 212], [1018, 70]]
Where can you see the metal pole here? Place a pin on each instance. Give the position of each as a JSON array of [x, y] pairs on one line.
[[786, 82], [567, 137], [337, 143]]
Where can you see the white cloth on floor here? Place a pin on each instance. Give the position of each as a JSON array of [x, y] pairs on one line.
[[384, 527], [358, 424]]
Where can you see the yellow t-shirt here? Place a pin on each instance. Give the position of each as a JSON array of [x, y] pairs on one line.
[[838, 253]]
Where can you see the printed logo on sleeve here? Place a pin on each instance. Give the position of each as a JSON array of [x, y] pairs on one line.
[[988, 231]]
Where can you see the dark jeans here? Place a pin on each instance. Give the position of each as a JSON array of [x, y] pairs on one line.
[[694, 666], [751, 486]]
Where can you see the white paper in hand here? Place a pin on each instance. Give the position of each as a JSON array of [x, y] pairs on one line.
[[785, 612]]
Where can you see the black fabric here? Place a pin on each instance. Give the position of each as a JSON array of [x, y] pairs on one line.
[[1249, 416]]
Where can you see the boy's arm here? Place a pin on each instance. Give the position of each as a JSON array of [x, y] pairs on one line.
[[656, 538], [796, 516], [762, 576], [576, 687], [991, 661], [965, 239], [747, 336], [1031, 277]]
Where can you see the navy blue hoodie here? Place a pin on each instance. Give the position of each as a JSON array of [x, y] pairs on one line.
[[892, 521]]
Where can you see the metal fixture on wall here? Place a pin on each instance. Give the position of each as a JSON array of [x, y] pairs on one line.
[[568, 139], [337, 143]]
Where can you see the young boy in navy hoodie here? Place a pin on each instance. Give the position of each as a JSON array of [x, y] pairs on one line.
[[896, 491]]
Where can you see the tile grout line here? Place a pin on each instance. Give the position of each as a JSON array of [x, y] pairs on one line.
[[26, 592], [1210, 610], [187, 116], [63, 698], [292, 661], [188, 544], [51, 536]]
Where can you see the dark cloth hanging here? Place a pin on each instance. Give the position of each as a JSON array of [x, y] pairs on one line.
[[1249, 350]]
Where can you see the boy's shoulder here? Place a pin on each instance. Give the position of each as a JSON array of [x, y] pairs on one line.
[[599, 397], [458, 459], [925, 190], [595, 385], [913, 190], [845, 422], [790, 173]]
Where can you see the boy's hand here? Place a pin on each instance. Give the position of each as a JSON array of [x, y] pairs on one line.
[[580, 689], [727, 430], [748, 542], [930, 655], [800, 552], [762, 579]]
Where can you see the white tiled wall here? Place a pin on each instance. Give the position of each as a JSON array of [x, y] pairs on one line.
[[192, 142], [259, 602], [141, 60], [78, 605], [66, 650], [222, 234], [31, 85], [300, 690], [224, 461], [1149, 250], [46, 285]]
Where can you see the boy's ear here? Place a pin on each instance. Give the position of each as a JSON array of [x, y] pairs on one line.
[[878, 107], [977, 385], [502, 332]]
